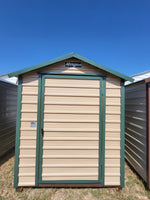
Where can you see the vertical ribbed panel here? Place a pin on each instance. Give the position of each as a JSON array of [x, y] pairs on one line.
[[8, 108], [135, 127]]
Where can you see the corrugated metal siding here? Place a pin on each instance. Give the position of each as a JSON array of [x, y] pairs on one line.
[[8, 107], [135, 127]]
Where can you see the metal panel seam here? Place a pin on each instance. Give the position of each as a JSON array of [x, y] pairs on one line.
[[122, 152], [103, 130]]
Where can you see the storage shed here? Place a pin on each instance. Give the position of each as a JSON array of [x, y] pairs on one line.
[[137, 125], [70, 124], [8, 111]]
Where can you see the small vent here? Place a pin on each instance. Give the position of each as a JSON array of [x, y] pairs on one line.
[[73, 64]]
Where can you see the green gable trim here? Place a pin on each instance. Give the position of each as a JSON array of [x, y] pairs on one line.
[[71, 55], [17, 142]]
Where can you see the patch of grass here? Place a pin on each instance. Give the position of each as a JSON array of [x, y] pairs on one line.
[[2, 198], [134, 189], [130, 198]]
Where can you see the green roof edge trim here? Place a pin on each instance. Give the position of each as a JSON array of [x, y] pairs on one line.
[[71, 55]]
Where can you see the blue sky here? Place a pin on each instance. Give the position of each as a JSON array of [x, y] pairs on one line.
[[114, 33]]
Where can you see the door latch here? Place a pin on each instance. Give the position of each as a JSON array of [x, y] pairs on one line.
[[42, 131]]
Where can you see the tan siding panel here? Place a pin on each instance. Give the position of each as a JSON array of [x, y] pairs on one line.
[[72, 149], [112, 118], [112, 152], [69, 170], [112, 101], [29, 107], [27, 151], [71, 134], [67, 125], [29, 98], [26, 143], [70, 143], [28, 114], [112, 143], [112, 127], [65, 108], [113, 82], [27, 169], [71, 161], [31, 133], [112, 110], [81, 177], [113, 92], [72, 83], [74, 91], [71, 116], [112, 170], [26, 89], [64, 152], [72, 100], [26, 181], [112, 161], [25, 161], [112, 180], [112, 134]]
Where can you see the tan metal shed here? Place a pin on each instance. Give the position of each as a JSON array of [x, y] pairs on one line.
[[70, 124], [137, 125]]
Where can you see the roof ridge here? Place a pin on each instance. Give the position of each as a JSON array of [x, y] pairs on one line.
[[67, 56]]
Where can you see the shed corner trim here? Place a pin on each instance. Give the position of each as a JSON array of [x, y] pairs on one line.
[[17, 142]]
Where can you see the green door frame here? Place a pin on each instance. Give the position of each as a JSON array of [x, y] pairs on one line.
[[39, 145]]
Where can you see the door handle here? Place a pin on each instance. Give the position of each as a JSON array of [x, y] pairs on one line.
[[42, 131]]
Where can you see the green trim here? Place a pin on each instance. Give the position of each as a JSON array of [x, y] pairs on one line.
[[100, 178], [71, 55], [69, 181], [122, 152], [72, 74], [103, 129], [70, 77], [38, 131], [41, 124], [17, 143], [100, 132]]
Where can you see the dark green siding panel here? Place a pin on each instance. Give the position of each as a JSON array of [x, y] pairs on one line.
[[17, 143]]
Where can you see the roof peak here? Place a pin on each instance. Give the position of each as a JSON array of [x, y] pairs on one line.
[[67, 56]]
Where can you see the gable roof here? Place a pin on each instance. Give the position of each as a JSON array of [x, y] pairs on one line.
[[71, 55]]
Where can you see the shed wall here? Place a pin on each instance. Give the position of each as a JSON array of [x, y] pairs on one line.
[[8, 108], [27, 157], [135, 127]]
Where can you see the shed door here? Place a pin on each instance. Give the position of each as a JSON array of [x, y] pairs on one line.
[[70, 123]]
